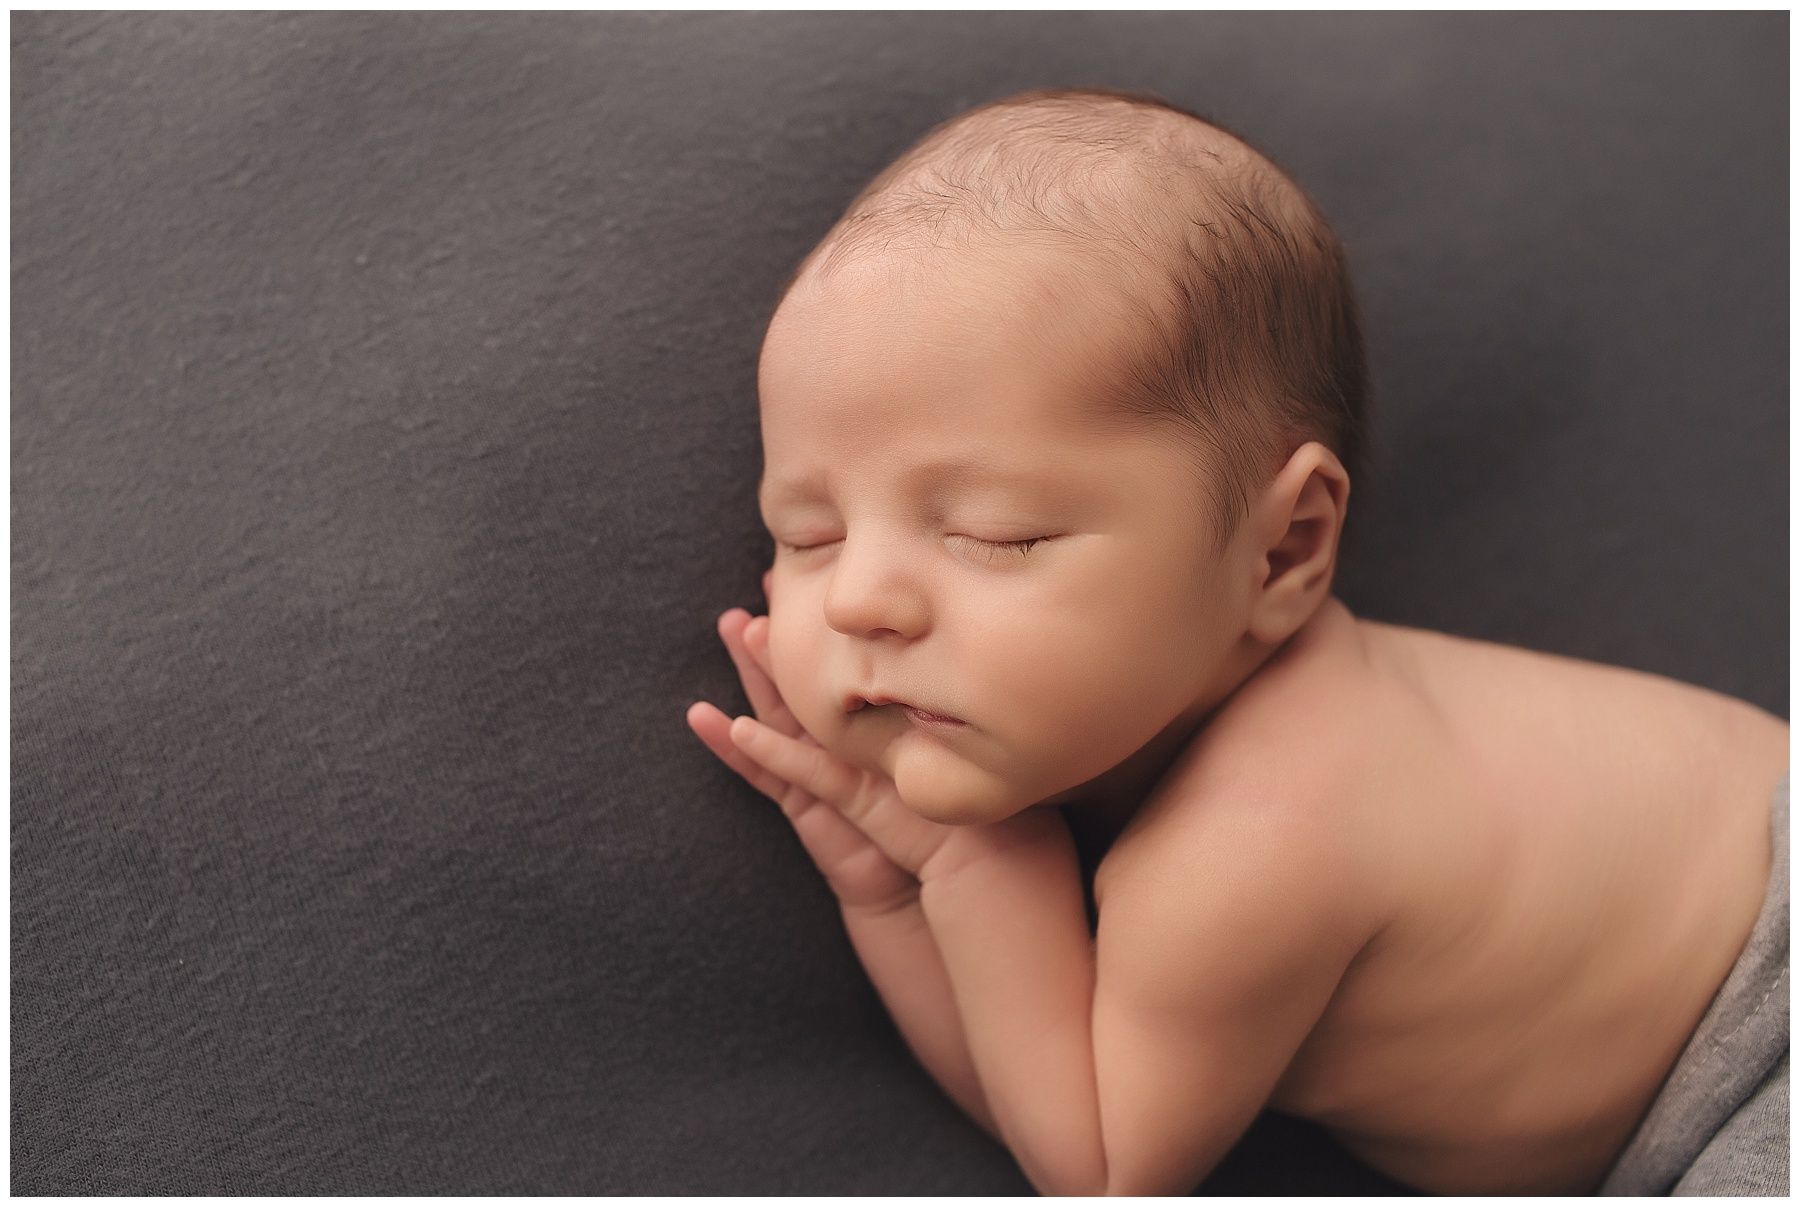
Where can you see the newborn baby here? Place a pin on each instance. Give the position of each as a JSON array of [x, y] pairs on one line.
[[1059, 425]]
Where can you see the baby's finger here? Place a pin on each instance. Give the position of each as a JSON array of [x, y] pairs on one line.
[[858, 871], [765, 698], [713, 727], [756, 640], [860, 875], [804, 764]]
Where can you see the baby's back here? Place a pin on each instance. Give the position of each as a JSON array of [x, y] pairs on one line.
[[1571, 857]]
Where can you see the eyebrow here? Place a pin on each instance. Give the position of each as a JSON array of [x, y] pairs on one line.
[[944, 475]]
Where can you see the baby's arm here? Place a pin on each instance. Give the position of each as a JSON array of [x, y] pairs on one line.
[[901, 957], [1218, 954], [1218, 950]]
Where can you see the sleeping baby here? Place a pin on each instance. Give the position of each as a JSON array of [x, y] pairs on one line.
[[1059, 424]]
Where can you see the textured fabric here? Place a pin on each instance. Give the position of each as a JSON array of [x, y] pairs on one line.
[[1749, 1155], [384, 449], [1719, 1126]]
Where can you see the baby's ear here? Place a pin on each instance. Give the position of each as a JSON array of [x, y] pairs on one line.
[[1303, 518]]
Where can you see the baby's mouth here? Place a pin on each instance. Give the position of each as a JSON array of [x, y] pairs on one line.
[[929, 718], [920, 715]]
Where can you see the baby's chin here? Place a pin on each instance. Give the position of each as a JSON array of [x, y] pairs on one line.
[[942, 787], [944, 782]]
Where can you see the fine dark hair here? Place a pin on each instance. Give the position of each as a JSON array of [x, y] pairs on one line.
[[1250, 340]]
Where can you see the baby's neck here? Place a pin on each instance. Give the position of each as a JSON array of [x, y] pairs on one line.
[[1105, 805], [1098, 810]]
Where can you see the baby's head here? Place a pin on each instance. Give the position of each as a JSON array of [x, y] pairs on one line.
[[1058, 423]]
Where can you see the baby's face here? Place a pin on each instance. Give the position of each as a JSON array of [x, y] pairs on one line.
[[892, 573]]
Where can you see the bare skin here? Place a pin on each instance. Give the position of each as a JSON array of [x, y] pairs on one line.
[[1569, 864]]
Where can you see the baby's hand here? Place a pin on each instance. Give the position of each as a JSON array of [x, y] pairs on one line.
[[873, 851]]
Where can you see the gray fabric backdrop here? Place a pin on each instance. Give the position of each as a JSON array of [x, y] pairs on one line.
[[384, 448]]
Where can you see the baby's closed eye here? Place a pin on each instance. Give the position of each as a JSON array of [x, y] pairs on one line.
[[1021, 546]]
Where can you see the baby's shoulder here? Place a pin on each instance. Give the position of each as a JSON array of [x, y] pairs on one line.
[[1241, 850], [1235, 816]]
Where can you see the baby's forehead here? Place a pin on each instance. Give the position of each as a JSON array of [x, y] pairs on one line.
[[984, 285], [1061, 337]]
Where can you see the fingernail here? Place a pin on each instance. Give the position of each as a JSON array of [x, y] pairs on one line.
[[742, 730]]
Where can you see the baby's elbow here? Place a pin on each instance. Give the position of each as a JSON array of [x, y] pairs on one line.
[[1085, 1188], [1067, 1182], [1115, 1188]]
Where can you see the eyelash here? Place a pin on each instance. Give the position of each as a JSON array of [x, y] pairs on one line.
[[1023, 547]]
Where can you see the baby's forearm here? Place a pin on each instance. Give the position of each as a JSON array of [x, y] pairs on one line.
[[1013, 934], [902, 961]]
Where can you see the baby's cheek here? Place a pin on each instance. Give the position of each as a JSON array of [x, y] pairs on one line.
[[798, 691]]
